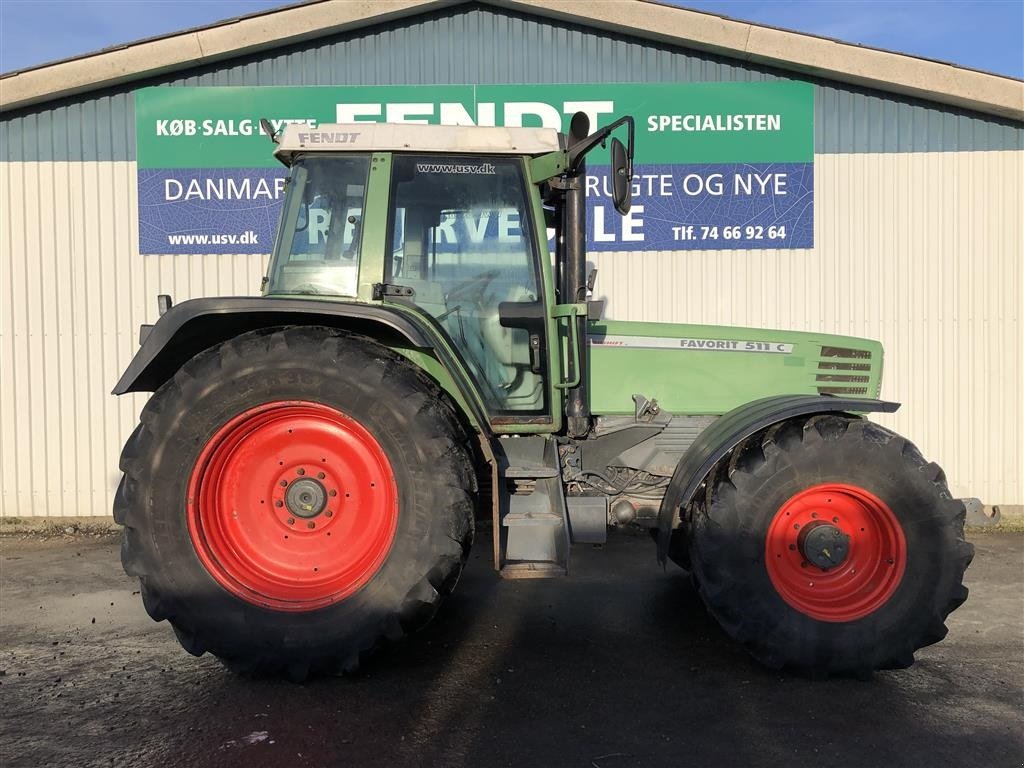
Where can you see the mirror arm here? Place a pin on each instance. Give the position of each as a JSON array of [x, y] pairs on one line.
[[579, 150], [268, 129]]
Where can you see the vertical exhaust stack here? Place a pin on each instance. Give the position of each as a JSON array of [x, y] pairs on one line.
[[573, 261], [574, 274]]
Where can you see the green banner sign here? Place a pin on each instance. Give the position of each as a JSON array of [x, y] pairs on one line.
[[676, 122]]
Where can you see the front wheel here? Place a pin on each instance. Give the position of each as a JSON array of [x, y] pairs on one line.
[[830, 545], [293, 497]]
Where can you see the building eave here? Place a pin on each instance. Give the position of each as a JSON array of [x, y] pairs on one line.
[[794, 51], [797, 52], [201, 46]]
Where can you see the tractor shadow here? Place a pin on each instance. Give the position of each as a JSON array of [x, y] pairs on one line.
[[617, 665]]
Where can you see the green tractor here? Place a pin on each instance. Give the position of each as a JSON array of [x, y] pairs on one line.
[[306, 478]]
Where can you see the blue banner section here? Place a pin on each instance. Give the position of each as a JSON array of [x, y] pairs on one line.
[[675, 208], [209, 210], [705, 207]]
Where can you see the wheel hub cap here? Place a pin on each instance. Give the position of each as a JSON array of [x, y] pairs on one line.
[[823, 544], [835, 552], [306, 498]]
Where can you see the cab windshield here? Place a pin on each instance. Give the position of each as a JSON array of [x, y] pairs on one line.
[[318, 243]]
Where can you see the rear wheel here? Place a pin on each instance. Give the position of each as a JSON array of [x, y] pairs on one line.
[[294, 497], [830, 545]]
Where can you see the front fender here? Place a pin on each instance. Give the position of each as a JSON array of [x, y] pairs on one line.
[[192, 326], [732, 428]]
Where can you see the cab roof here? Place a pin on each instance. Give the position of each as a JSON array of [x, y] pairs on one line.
[[405, 137]]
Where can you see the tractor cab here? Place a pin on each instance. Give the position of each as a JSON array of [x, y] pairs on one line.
[[448, 222]]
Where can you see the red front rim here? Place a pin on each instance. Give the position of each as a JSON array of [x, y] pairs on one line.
[[292, 505], [873, 565]]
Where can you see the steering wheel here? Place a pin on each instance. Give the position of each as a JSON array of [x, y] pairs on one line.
[[473, 288]]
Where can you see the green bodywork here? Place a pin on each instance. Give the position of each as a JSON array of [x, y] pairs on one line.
[[688, 369], [688, 380], [695, 382]]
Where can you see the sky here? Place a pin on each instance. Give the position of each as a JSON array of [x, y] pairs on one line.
[[982, 34]]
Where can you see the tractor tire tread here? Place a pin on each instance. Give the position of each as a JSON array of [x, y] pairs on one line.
[[718, 566], [442, 442]]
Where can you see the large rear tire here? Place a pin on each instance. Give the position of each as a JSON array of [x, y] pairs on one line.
[[293, 497], [830, 545]]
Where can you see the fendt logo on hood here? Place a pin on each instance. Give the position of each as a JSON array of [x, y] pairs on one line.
[[328, 137]]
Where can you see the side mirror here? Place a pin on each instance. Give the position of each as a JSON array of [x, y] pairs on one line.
[[268, 129], [622, 181]]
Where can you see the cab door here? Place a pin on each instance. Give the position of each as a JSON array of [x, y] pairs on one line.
[[462, 236]]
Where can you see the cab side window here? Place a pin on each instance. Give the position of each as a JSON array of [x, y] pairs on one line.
[[461, 239]]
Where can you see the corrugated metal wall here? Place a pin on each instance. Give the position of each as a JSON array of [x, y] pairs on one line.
[[73, 292], [919, 234]]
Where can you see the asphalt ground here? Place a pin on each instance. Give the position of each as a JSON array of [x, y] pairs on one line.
[[616, 666]]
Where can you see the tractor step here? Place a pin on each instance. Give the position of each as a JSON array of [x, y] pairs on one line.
[[534, 530], [532, 570], [531, 518], [530, 471], [529, 458]]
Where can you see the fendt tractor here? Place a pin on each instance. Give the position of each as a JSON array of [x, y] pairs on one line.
[[307, 476]]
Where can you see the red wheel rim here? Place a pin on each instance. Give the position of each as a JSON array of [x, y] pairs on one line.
[[868, 575], [292, 506]]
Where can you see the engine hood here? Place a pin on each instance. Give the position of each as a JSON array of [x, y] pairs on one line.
[[705, 369]]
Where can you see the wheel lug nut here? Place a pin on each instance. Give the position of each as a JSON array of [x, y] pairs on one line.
[[320, 475], [284, 483], [792, 546], [291, 521], [329, 513], [278, 503], [300, 471], [835, 519], [334, 493], [311, 524]]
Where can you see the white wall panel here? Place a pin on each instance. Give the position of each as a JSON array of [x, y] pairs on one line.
[[922, 251], [73, 292]]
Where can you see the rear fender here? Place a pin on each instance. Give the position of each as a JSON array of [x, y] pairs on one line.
[[192, 326], [726, 433], [187, 329]]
